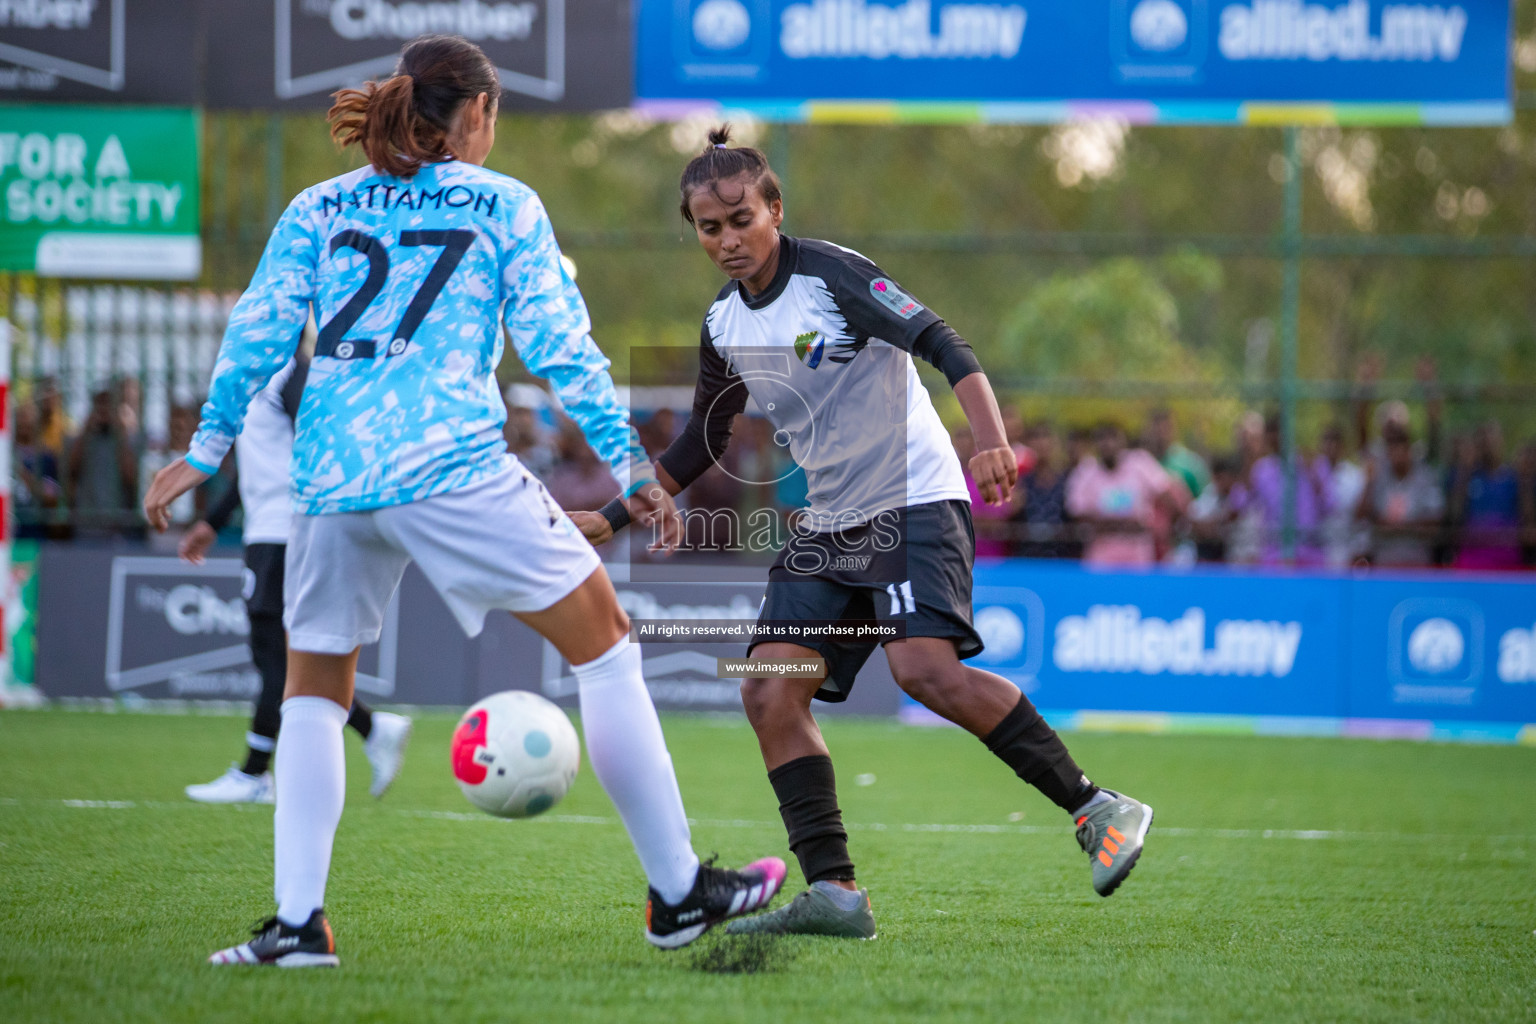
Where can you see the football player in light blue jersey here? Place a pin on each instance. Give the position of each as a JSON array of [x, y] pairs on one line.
[[412, 264]]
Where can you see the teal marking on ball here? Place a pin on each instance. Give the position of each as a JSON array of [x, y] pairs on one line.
[[540, 803], [537, 744]]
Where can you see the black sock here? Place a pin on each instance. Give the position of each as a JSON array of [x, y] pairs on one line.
[[807, 792], [256, 761], [361, 718], [1036, 754]]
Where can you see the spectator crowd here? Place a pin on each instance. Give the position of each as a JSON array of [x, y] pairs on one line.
[[1365, 492], [87, 480], [1369, 494]]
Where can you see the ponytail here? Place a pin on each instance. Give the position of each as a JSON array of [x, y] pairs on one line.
[[721, 162], [402, 122]]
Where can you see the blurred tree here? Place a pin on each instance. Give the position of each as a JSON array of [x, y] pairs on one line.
[[1117, 320]]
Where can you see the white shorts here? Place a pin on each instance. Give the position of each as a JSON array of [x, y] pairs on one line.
[[502, 543]]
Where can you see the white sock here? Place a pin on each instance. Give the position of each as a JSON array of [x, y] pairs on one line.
[[311, 776], [629, 757]]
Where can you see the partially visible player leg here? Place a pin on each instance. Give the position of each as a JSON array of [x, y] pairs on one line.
[[629, 756], [360, 719], [800, 771], [1111, 827], [384, 738], [251, 782], [311, 782], [341, 574]]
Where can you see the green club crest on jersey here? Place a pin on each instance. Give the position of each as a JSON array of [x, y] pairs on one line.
[[809, 348]]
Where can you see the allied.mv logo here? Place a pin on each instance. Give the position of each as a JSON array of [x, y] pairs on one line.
[[1159, 40], [721, 24], [1435, 651], [1436, 646], [1002, 631], [1158, 25]]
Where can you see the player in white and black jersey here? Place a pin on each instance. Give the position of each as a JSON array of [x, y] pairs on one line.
[[821, 339], [263, 451]]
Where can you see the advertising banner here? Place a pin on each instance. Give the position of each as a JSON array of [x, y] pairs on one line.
[[1424, 656], [108, 192], [1428, 656], [152, 626], [1218, 61], [1457, 650], [140, 626], [1200, 642], [99, 51], [21, 613], [292, 54]]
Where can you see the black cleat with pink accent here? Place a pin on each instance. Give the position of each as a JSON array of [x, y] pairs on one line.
[[275, 944], [718, 895]]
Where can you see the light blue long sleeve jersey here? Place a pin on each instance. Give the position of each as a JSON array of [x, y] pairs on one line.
[[410, 280]]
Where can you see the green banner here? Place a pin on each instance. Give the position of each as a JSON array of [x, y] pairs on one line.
[[21, 613], [107, 192]]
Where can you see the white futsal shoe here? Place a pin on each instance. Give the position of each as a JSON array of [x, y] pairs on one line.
[[234, 787], [385, 748]]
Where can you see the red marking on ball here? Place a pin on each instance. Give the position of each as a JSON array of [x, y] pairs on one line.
[[468, 738]]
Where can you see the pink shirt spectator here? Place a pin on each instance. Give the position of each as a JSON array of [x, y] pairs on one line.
[[1129, 491]]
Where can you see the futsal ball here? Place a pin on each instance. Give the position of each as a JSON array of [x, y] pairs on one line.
[[515, 754]]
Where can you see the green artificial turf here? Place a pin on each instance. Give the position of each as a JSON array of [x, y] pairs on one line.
[[1285, 879]]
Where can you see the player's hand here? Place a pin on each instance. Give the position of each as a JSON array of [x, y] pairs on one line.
[[169, 484], [995, 471], [593, 525], [652, 506], [196, 542]]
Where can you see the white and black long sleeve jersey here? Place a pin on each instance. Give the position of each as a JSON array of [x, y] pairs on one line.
[[825, 353], [263, 457]]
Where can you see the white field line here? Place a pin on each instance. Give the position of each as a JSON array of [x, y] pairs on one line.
[[853, 826]]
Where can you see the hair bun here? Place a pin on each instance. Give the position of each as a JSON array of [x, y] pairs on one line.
[[718, 137]]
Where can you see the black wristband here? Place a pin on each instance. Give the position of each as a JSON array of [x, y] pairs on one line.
[[616, 514]]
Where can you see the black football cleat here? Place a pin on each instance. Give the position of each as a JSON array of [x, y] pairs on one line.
[[718, 895], [275, 944]]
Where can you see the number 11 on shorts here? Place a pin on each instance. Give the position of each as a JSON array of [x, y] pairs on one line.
[[901, 597]]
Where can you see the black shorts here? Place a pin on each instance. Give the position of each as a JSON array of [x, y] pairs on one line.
[[909, 567], [262, 586]]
